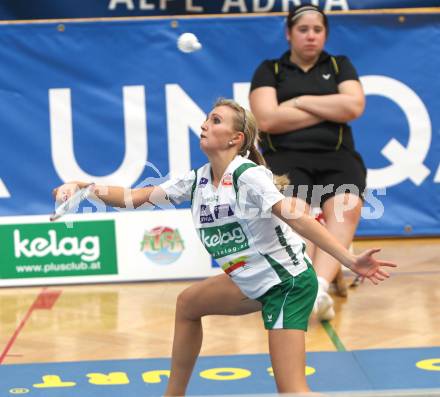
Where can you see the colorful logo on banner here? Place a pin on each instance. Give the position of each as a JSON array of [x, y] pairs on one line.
[[55, 250], [162, 245]]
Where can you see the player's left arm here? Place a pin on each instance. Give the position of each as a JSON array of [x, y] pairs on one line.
[[364, 264]]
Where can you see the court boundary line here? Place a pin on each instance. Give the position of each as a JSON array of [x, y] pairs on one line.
[[23, 322], [333, 336]]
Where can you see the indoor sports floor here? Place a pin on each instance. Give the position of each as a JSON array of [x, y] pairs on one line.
[[115, 339]]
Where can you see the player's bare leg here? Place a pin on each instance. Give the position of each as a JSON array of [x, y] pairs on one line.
[[287, 352], [216, 295]]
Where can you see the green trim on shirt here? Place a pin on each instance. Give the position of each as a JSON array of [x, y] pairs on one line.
[[283, 242], [305, 255], [194, 185], [237, 173]]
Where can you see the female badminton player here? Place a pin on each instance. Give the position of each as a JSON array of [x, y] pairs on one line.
[[253, 232]]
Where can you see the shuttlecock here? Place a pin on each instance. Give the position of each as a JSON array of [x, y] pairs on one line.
[[188, 42]]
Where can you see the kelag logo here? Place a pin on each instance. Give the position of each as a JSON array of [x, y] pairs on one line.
[[54, 250], [224, 240], [162, 245]]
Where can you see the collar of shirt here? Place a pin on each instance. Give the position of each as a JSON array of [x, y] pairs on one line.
[[285, 60]]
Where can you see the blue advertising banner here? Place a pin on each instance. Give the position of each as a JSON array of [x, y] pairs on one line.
[[48, 9], [118, 103]]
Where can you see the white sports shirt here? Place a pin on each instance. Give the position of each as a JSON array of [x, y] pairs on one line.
[[236, 225]]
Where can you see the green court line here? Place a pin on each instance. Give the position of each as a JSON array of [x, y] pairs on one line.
[[333, 336]]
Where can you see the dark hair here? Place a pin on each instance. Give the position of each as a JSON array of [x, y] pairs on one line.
[[297, 12]]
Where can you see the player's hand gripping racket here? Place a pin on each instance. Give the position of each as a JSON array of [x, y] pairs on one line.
[[73, 202]]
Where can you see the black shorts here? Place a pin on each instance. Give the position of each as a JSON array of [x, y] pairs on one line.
[[317, 176]]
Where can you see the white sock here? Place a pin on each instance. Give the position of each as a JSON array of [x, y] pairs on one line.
[[323, 284]]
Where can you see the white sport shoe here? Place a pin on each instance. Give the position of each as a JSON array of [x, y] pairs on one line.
[[324, 307]]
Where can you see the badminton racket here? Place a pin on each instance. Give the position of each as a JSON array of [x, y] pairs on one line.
[[73, 202]]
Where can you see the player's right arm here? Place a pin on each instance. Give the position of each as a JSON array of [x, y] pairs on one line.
[[115, 196]]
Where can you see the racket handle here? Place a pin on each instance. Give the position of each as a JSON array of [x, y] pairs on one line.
[[73, 201]]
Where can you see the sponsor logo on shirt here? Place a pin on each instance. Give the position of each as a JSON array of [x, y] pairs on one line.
[[235, 264], [203, 182], [326, 76], [210, 199], [224, 240], [205, 214], [221, 211], [227, 179]]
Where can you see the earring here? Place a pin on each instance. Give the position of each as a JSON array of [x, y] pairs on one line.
[[230, 143]]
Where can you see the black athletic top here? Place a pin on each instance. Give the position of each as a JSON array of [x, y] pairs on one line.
[[291, 81]]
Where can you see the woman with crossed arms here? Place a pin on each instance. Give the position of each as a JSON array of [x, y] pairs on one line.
[[303, 101]]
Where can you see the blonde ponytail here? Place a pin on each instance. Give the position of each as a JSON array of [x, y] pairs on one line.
[[245, 122], [256, 156]]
